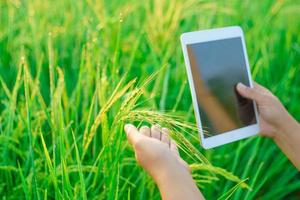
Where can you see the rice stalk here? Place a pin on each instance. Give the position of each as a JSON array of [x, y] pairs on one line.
[[50, 166], [228, 194], [82, 183], [218, 171], [29, 130], [116, 95]]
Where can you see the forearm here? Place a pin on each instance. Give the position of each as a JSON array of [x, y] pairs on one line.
[[177, 183], [288, 139]]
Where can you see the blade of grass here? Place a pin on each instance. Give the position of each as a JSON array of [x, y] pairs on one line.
[[79, 165]]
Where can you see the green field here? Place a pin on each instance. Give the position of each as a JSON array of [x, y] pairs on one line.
[[72, 73]]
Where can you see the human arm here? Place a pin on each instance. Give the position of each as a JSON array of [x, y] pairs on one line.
[[275, 121], [159, 156]]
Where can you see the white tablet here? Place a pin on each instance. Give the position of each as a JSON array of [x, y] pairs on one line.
[[216, 60]]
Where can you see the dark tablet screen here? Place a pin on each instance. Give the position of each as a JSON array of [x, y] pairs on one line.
[[217, 66]]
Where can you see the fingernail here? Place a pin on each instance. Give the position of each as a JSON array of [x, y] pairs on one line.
[[127, 127], [157, 126], [241, 86]]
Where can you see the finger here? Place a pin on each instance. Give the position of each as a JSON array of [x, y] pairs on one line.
[[261, 88], [173, 147], [145, 130], [132, 133], [248, 92], [165, 136], [156, 132], [185, 164]]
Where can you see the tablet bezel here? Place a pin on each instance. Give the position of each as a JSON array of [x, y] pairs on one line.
[[213, 35]]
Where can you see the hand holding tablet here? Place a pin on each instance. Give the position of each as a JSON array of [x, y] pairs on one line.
[[216, 61]]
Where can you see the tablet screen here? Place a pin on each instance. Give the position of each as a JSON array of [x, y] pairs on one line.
[[217, 66]]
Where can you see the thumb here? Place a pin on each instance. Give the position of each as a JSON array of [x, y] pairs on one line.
[[249, 93], [132, 134]]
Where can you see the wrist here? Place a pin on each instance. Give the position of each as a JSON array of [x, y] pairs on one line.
[[171, 170], [287, 127], [176, 182]]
